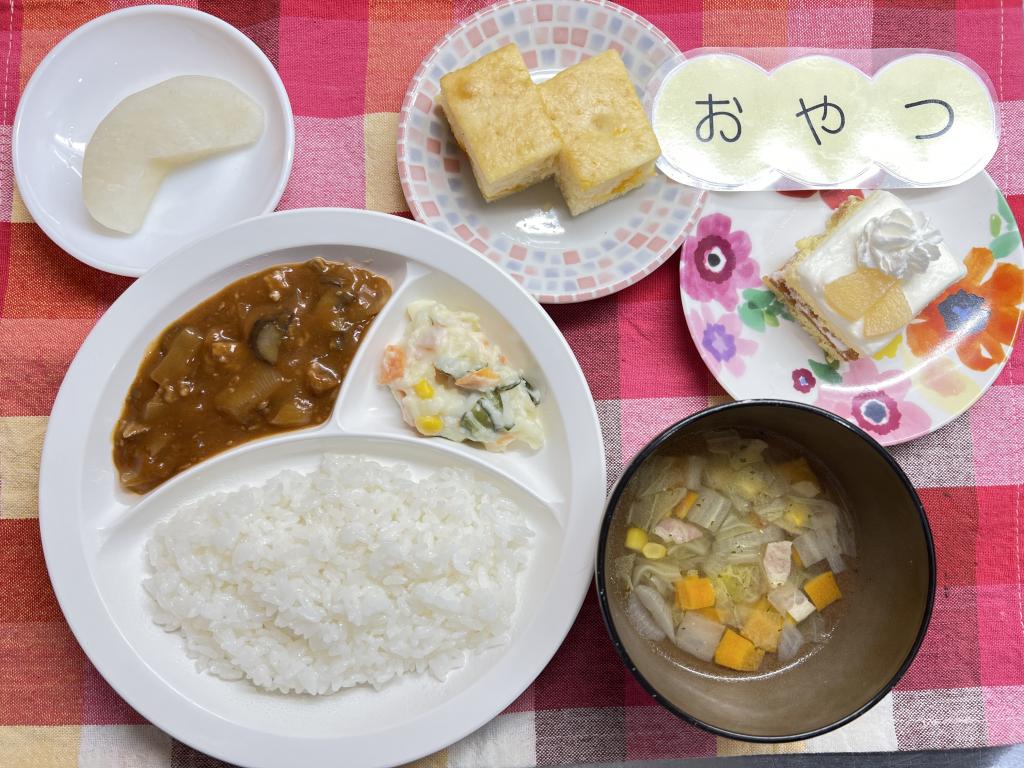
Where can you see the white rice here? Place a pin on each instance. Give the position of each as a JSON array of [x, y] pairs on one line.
[[355, 573]]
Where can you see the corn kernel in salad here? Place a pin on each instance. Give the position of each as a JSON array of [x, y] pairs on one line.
[[429, 425]]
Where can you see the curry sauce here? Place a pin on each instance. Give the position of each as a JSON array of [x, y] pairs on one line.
[[265, 355]]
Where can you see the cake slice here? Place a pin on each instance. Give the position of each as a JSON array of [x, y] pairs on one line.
[[497, 116], [857, 285], [609, 147]]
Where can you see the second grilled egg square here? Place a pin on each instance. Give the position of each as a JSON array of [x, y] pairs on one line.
[[608, 146]]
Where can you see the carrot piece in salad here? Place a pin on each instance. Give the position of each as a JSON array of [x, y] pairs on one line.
[[480, 380], [392, 365]]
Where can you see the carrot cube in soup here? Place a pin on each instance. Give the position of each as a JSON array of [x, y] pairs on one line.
[[694, 593], [685, 505], [715, 614], [823, 590], [763, 628], [736, 652]]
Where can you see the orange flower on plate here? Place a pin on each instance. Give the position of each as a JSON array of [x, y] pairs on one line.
[[977, 316]]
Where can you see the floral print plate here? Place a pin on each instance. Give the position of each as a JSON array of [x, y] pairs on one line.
[[930, 374]]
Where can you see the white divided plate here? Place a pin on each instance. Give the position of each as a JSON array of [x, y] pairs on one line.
[[557, 257], [94, 533], [94, 68]]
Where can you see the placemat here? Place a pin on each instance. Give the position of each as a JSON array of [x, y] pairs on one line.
[[346, 66]]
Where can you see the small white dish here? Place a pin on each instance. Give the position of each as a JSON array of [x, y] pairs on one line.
[[94, 533], [94, 68], [557, 257]]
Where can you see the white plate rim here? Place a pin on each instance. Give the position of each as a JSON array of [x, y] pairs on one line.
[[131, 676], [31, 202], [405, 179]]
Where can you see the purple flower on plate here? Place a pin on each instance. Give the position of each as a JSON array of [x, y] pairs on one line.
[[717, 263], [803, 380], [720, 340]]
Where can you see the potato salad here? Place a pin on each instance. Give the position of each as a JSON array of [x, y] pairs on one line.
[[451, 381]]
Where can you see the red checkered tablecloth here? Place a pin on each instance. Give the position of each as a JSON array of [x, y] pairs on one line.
[[346, 66]]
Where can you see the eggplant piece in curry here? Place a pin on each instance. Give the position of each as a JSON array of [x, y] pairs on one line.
[[264, 355]]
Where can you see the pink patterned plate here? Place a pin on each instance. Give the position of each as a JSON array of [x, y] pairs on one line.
[[556, 257], [934, 371]]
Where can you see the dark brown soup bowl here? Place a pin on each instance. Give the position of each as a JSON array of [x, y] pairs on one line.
[[884, 615]]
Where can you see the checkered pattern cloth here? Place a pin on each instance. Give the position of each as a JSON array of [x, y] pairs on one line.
[[346, 66]]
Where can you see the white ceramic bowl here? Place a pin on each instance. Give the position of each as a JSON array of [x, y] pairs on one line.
[[94, 68], [94, 533]]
